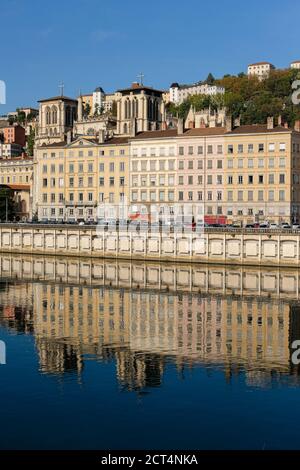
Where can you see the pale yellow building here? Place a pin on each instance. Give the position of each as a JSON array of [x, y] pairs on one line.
[[75, 180]]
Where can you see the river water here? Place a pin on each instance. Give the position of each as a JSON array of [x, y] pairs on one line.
[[119, 355]]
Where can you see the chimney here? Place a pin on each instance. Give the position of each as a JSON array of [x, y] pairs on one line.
[[180, 126], [101, 136], [228, 123], [69, 137], [270, 123], [297, 126], [135, 85], [280, 121]]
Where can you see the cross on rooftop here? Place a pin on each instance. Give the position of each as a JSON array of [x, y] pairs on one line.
[[141, 76], [61, 87]]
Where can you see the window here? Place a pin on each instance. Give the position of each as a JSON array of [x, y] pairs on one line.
[[271, 162], [219, 164], [162, 165], [122, 152], [90, 181], [181, 151], [209, 196], [240, 163], [161, 196], [250, 148], [282, 162], [209, 164], [282, 147], [101, 197], [111, 198], [261, 163], [260, 195], [111, 181], [161, 180], [230, 179], [90, 197], [220, 149], [44, 168], [45, 197], [134, 181], [61, 168], [71, 197], [101, 181], [80, 167], [271, 178], [171, 180], [152, 165], [200, 150], [122, 166], [61, 197], [111, 153], [80, 197], [71, 168], [172, 165], [281, 195], [240, 179], [230, 148], [180, 165], [240, 195], [101, 167], [180, 195], [282, 178], [80, 181], [190, 180], [191, 150], [190, 195], [250, 162], [209, 179], [219, 179], [230, 163], [250, 179], [190, 164], [250, 195], [52, 182], [60, 182], [219, 195], [200, 195], [111, 166], [152, 196], [261, 147], [240, 148], [271, 147], [153, 180], [90, 168], [271, 196], [209, 149], [230, 195], [122, 181], [200, 164], [260, 179]]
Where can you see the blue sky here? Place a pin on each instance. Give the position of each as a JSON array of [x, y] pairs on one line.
[[87, 43]]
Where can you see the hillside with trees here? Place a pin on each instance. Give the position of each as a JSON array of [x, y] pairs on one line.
[[248, 98]]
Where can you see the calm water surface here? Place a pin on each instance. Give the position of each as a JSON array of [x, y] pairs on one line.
[[107, 355]]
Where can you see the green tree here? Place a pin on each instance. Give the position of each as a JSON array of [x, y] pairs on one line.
[[6, 203], [30, 142]]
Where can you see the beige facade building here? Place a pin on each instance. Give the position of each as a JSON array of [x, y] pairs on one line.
[[17, 173], [75, 180]]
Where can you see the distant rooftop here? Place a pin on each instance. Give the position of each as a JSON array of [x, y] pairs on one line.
[[57, 98]]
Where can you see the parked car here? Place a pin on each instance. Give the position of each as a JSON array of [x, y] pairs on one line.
[[273, 226], [296, 227], [264, 225], [285, 227], [250, 226]]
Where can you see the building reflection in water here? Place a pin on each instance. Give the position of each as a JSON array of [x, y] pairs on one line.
[[144, 327]]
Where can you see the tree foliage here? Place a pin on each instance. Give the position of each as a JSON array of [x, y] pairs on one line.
[[249, 98]]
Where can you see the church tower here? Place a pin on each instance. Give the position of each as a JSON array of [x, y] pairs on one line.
[[142, 104], [56, 118]]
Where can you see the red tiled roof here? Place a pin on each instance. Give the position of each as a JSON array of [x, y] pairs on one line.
[[18, 187]]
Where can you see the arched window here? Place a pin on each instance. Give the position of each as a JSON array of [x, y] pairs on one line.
[[48, 116], [54, 115], [125, 109], [137, 108], [68, 116], [125, 128]]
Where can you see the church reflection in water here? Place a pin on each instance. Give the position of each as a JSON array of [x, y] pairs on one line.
[[144, 316]]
